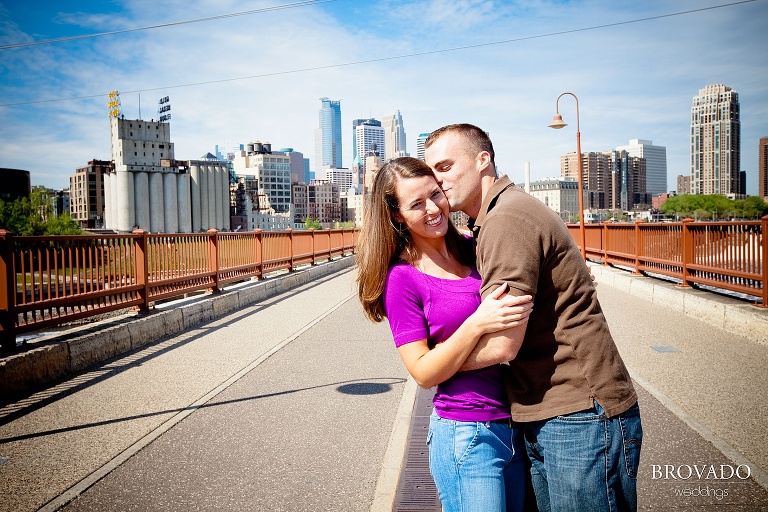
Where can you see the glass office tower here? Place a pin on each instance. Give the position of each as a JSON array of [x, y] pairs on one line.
[[328, 135]]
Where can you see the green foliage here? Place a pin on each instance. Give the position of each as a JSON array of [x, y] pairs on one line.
[[310, 223], [705, 207], [62, 225], [751, 207], [344, 225], [33, 215], [19, 217]]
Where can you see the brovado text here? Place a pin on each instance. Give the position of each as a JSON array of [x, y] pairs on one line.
[[700, 471]]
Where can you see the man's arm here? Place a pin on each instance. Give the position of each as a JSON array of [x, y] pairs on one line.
[[509, 250], [494, 348]]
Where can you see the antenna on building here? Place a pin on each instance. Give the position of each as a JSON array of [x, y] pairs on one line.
[[139, 105]]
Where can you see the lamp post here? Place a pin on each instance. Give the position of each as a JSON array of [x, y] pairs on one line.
[[557, 123]]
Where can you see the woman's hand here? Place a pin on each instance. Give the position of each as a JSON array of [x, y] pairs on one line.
[[500, 311]]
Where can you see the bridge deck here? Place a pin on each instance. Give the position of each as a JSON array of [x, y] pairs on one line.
[[299, 403]]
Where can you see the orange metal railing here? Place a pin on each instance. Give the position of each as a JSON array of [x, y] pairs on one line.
[[725, 255], [50, 280]]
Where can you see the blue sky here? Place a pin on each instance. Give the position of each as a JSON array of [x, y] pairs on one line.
[[503, 66]]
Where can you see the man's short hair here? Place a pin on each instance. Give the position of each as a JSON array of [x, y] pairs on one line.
[[477, 140]]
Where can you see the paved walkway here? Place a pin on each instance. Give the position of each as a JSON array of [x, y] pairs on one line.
[[704, 400], [299, 403]]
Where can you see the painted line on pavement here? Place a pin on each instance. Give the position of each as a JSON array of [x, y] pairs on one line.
[[80, 487], [760, 476]]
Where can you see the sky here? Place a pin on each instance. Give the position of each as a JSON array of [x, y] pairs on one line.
[[258, 70]]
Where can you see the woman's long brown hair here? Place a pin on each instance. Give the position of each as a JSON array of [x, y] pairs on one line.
[[383, 239]]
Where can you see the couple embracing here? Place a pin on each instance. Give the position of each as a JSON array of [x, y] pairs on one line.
[[531, 391]]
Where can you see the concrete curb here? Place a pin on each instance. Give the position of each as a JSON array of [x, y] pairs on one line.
[[389, 477], [62, 353], [736, 316]]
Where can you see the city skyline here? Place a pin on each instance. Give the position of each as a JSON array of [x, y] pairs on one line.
[[499, 65]]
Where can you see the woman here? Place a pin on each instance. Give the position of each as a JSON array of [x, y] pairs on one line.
[[418, 271]]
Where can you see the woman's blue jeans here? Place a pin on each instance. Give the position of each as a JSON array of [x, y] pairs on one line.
[[585, 461], [477, 466]]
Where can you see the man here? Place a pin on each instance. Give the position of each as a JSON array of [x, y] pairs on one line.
[[568, 386]]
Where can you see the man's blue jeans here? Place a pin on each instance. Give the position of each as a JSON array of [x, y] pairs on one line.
[[477, 466], [585, 461]]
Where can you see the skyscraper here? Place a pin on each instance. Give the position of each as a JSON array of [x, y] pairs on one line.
[[272, 170], [655, 164], [299, 172], [370, 138], [597, 173], [328, 135], [420, 140], [394, 133], [763, 169], [355, 123], [715, 141], [613, 180]]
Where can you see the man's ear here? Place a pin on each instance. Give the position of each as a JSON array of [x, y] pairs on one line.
[[483, 161]]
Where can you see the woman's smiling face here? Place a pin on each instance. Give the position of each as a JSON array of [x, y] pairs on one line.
[[422, 207]]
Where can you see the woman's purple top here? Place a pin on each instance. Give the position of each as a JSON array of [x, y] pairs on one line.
[[420, 307]]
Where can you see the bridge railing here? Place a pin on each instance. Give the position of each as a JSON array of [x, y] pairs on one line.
[[47, 281], [725, 255], [50, 280]]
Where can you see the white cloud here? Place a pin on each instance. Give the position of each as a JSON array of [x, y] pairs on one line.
[[633, 80]]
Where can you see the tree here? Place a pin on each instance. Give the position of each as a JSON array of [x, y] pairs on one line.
[[62, 225], [716, 206], [310, 223], [33, 215], [19, 217], [751, 208]]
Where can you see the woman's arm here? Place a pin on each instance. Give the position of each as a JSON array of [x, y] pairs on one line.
[[497, 312]]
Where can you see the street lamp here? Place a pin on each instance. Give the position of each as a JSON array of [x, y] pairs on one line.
[[557, 123]]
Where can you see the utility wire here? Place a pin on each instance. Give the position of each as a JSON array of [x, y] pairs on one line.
[[164, 25], [406, 56]]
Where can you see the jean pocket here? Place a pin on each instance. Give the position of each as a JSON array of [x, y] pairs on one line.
[[582, 416], [632, 439]]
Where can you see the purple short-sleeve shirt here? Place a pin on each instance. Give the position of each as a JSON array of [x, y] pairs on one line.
[[421, 307]]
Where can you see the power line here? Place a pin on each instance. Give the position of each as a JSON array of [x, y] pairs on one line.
[[405, 56], [163, 25]]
